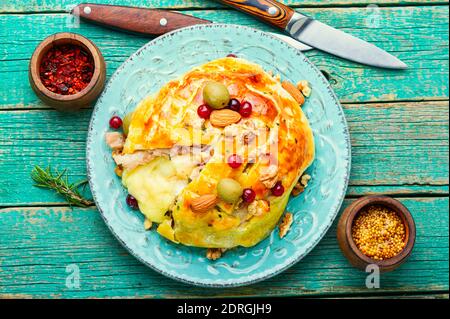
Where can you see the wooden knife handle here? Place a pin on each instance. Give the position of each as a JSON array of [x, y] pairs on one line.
[[270, 11], [136, 20]]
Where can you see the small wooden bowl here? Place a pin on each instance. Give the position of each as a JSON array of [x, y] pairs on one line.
[[75, 101], [348, 246]]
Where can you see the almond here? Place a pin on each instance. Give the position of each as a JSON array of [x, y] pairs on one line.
[[294, 92], [224, 117], [203, 203]]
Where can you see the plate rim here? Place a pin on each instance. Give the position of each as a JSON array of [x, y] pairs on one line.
[[246, 279]]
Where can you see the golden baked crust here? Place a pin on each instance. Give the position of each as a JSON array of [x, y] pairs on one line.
[[275, 142]]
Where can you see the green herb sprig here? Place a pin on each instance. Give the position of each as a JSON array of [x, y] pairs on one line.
[[59, 182]]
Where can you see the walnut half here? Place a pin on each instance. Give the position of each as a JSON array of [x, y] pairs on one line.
[[304, 87], [298, 189], [214, 253], [301, 185], [269, 176], [305, 179], [285, 224], [258, 207]]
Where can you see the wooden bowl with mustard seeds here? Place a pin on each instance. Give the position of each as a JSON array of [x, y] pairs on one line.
[[67, 71], [376, 230]]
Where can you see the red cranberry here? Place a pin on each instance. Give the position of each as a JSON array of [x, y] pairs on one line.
[[132, 202], [231, 55], [234, 105], [278, 189], [234, 161], [115, 122], [248, 195], [246, 109], [204, 111]]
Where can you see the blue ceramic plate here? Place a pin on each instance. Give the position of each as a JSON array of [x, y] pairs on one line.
[[164, 59]]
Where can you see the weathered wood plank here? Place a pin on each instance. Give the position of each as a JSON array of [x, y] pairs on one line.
[[425, 50], [398, 148], [402, 296], [37, 244], [65, 5]]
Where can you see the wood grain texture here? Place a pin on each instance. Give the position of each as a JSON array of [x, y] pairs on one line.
[[269, 11], [65, 5], [406, 32], [37, 244], [135, 20], [402, 296], [399, 148]]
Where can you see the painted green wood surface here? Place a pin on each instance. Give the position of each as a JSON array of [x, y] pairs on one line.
[[65, 5], [399, 129], [46, 240], [385, 137], [405, 31]]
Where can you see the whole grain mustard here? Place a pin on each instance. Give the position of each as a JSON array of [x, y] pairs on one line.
[[379, 232]]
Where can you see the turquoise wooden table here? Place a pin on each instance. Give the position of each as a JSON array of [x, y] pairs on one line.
[[399, 132]]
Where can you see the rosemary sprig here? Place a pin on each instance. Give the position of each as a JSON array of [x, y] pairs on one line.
[[59, 182]]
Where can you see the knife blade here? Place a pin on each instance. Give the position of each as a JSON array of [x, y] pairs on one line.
[[317, 34], [152, 22]]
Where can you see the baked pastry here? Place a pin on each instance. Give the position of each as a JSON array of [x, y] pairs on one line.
[[214, 155]]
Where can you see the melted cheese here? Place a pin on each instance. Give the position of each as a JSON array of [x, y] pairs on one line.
[[156, 184]]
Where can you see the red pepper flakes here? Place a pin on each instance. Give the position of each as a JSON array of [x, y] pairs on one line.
[[66, 69]]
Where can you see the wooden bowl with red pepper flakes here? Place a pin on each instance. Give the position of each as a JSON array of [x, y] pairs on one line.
[[376, 230], [67, 71]]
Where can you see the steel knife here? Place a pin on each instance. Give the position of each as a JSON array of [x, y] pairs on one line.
[[152, 22], [317, 34]]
